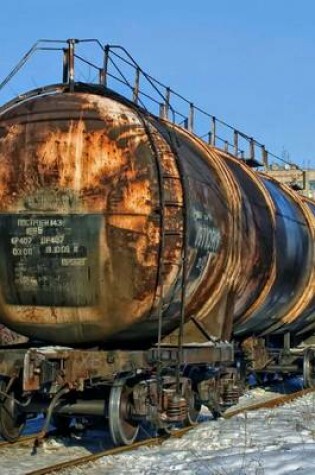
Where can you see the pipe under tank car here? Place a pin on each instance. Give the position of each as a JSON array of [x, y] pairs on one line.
[[107, 213]]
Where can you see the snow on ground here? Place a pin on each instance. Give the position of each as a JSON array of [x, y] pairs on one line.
[[263, 442], [24, 458], [21, 460]]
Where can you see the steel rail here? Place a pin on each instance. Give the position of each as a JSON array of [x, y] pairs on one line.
[[20, 441], [104, 453], [27, 439], [269, 403]]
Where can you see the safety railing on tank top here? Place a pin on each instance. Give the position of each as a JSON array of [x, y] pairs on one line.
[[117, 70]]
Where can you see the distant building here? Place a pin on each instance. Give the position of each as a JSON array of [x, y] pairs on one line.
[[301, 180]]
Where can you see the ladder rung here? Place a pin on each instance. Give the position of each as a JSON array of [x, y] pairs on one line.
[[172, 233], [173, 204], [173, 177]]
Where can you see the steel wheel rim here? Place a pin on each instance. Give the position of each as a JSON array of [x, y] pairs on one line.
[[122, 430], [309, 368]]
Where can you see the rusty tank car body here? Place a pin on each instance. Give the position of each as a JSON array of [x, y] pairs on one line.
[[125, 231], [100, 203], [93, 214]]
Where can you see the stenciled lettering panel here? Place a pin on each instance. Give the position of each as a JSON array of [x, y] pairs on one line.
[[50, 260]]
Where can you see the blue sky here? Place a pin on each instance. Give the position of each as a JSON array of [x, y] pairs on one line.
[[251, 63]]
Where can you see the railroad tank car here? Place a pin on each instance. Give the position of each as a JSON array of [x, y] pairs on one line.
[[159, 267], [101, 202]]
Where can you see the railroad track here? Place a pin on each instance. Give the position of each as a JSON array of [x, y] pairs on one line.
[[277, 401], [104, 453], [25, 440], [269, 403], [29, 440]]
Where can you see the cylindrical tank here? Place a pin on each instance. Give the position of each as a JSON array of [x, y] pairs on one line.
[[106, 212], [89, 190], [278, 240]]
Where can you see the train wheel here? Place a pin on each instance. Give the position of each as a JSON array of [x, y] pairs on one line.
[[120, 409], [309, 368], [12, 420]]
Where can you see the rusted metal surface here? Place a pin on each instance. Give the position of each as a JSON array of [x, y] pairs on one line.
[[292, 266], [73, 368], [106, 212], [11, 362], [9, 337], [256, 354], [195, 354], [212, 201], [61, 367], [255, 226], [275, 268], [306, 321], [304, 288], [80, 218]]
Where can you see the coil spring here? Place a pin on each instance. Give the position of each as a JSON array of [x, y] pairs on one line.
[[231, 395], [177, 409]]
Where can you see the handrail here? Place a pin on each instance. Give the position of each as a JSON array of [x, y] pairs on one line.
[[117, 64]]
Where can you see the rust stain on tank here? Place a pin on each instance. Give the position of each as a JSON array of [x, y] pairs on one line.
[[102, 166], [221, 267]]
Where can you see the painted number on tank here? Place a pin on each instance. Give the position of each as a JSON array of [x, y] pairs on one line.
[[48, 260]]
